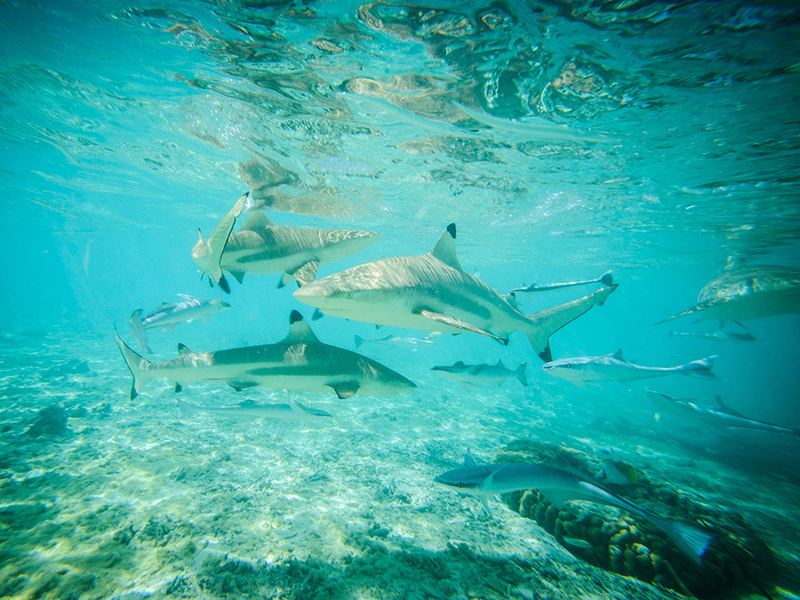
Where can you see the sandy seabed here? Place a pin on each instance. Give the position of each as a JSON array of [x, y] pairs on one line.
[[129, 501]]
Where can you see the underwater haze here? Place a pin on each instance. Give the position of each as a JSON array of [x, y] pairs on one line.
[[564, 139]]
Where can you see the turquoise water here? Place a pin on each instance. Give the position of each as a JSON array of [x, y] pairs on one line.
[[563, 138]]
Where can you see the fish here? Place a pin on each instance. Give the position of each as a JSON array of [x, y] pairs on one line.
[[617, 472], [606, 279], [169, 315], [483, 373], [395, 341], [717, 335], [560, 486], [262, 247], [298, 362], [720, 415], [207, 254], [292, 411], [744, 292], [613, 367], [432, 292]]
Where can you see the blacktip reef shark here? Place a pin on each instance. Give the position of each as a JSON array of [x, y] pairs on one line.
[[169, 315], [613, 367], [606, 279], [291, 411], [718, 416], [745, 292], [432, 292], [483, 373], [262, 247], [298, 362], [560, 486]]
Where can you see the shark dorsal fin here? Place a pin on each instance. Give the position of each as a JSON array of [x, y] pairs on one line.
[[500, 363], [618, 355], [469, 460], [445, 248], [727, 409], [299, 331], [183, 350], [257, 219], [459, 363]]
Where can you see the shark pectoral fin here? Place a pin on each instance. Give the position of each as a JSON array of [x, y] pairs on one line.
[[345, 389], [457, 323], [242, 385], [546, 322], [237, 275], [317, 315], [178, 388], [486, 506], [306, 273], [285, 280], [217, 241], [138, 331]]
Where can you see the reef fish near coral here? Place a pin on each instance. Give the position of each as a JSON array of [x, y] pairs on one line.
[[298, 362], [432, 292]]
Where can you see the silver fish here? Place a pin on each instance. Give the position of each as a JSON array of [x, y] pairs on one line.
[[169, 315]]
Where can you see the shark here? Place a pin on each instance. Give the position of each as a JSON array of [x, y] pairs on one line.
[[262, 247], [613, 367], [169, 315], [300, 362], [292, 411], [560, 486], [471, 374], [718, 416], [432, 292]]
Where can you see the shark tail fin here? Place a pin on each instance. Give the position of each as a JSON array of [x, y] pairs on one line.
[[520, 373], [136, 364], [699, 368], [546, 322], [693, 540], [138, 332]]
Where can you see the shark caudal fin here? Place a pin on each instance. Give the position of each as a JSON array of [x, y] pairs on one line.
[[546, 322], [136, 364], [693, 540], [520, 373], [208, 253], [138, 332], [699, 368]]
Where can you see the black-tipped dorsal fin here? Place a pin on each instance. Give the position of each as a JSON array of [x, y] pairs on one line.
[[445, 248], [618, 355], [299, 331], [183, 349], [257, 219]]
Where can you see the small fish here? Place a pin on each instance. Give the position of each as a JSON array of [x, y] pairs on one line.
[[578, 543], [393, 340], [169, 315], [606, 279], [613, 367], [717, 335], [483, 373], [618, 473], [292, 411]]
